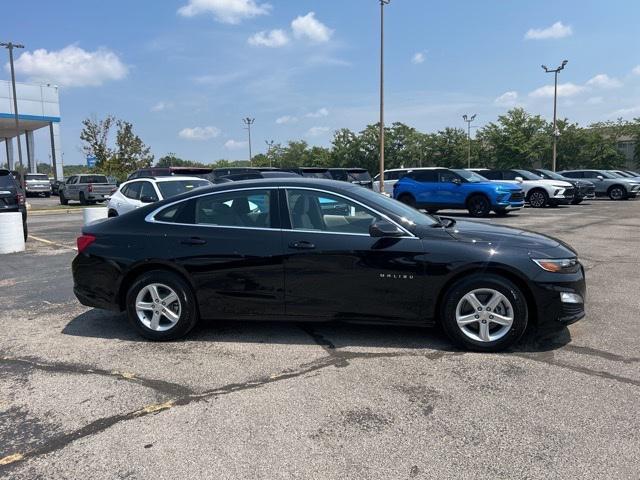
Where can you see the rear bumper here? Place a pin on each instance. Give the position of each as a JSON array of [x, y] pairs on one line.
[[96, 282]]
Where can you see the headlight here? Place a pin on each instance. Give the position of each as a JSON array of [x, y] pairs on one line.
[[557, 265]]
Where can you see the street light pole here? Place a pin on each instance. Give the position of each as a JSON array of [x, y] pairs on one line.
[[10, 46], [469, 120], [382, 4], [248, 122], [555, 108], [269, 147]]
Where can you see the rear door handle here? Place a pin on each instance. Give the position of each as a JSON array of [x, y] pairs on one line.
[[302, 245], [193, 241]]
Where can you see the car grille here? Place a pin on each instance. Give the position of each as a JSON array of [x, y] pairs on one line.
[[569, 192], [517, 197], [571, 309]]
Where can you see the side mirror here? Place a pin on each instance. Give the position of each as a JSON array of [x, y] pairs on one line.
[[519, 179], [600, 177], [457, 181], [384, 228], [148, 199]]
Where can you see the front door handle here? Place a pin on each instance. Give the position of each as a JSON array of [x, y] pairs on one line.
[[302, 245], [193, 241]]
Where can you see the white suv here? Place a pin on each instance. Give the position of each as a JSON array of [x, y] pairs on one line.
[[142, 191], [537, 192]]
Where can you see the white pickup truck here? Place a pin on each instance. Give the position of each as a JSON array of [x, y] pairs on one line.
[[87, 189]]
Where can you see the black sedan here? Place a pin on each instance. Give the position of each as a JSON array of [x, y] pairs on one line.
[[318, 250]]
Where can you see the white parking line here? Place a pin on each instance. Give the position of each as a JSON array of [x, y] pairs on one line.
[[49, 242]]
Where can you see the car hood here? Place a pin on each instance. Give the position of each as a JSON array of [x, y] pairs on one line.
[[499, 235], [501, 183]]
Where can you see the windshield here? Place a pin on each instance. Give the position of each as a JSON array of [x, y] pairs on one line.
[[359, 176], [172, 188], [610, 175], [93, 179], [408, 216], [312, 174], [36, 176], [631, 172], [622, 174], [527, 175], [6, 179], [551, 175], [472, 177]]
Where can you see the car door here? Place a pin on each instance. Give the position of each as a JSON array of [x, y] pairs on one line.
[[230, 243], [131, 197], [70, 189], [427, 186], [601, 184], [148, 193], [334, 269], [450, 189]]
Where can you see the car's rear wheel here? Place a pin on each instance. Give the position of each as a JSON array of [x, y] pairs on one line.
[[25, 229], [161, 306], [538, 198], [407, 199], [112, 213], [617, 192], [63, 199], [432, 211], [501, 212], [486, 313], [576, 201], [478, 206], [81, 197]]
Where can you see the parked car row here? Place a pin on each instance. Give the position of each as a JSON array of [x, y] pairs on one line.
[[482, 190], [12, 197]]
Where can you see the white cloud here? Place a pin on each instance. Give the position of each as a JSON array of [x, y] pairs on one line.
[[286, 119], [71, 67], [308, 27], [317, 131], [636, 70], [199, 133], [274, 38], [160, 106], [594, 100], [322, 112], [603, 80], [225, 11], [623, 112], [564, 90], [235, 144], [418, 58], [507, 99], [557, 30]]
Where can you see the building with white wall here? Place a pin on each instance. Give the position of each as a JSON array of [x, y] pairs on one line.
[[38, 107]]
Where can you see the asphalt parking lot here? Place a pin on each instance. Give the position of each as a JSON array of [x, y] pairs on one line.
[[81, 396]]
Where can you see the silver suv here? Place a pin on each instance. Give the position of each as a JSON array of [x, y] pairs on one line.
[[607, 183]]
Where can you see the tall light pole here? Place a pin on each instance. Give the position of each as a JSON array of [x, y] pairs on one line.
[[382, 4], [248, 122], [269, 147], [469, 120], [555, 104], [10, 46]]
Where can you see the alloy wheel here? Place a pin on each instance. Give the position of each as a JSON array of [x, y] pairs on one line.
[[537, 200], [484, 315], [158, 307], [616, 194]]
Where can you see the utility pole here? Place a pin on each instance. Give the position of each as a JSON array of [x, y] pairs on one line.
[[382, 5], [469, 120], [248, 122], [10, 46], [556, 134], [269, 147]]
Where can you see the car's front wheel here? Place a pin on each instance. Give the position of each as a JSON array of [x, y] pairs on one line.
[[63, 199], [617, 192], [487, 313], [407, 200], [478, 206], [161, 306], [577, 201], [538, 198]]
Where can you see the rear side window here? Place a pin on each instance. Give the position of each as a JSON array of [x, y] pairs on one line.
[[249, 208], [423, 175], [510, 175], [6, 180], [491, 174]]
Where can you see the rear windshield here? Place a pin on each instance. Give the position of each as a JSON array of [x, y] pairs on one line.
[[359, 176], [316, 174], [93, 179], [171, 189], [36, 176], [6, 180]]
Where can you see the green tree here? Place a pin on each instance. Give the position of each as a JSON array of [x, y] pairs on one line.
[[95, 134], [172, 160]]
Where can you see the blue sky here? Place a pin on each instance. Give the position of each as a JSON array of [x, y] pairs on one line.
[[186, 72]]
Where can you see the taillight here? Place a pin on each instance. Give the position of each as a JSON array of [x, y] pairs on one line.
[[83, 241], [90, 188], [20, 199]]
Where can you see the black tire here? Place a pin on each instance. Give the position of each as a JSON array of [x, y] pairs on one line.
[[432, 211], [538, 198], [501, 212], [188, 309], [576, 201], [63, 199], [25, 229], [478, 206], [112, 213], [83, 200], [47, 195], [500, 284], [407, 199], [617, 192]]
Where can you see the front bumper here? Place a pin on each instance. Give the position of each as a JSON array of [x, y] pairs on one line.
[[551, 307]]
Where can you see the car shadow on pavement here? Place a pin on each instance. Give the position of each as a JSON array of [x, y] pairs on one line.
[[108, 325]]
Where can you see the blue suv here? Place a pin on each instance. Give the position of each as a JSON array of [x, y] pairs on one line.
[[435, 189]]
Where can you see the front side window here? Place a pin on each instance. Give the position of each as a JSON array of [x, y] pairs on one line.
[[132, 190], [172, 188], [248, 208], [324, 212], [447, 177], [148, 192]]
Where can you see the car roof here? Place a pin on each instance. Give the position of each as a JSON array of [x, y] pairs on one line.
[[173, 178]]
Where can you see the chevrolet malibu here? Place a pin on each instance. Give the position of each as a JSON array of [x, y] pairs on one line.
[[321, 250]]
